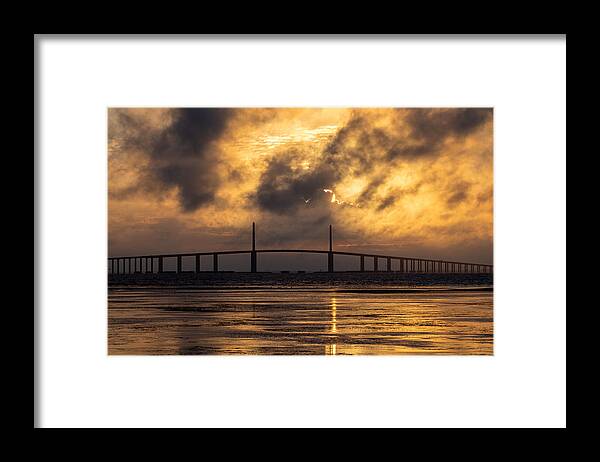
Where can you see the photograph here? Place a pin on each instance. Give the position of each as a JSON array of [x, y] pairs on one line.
[[289, 231], [300, 231]]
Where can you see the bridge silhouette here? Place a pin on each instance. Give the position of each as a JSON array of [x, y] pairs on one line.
[[129, 264]]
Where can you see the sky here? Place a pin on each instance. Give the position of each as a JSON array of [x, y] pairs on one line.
[[414, 182]]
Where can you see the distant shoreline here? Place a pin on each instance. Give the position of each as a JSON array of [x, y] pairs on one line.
[[349, 282], [403, 290]]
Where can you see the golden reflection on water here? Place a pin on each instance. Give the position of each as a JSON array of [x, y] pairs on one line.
[[332, 348], [268, 321]]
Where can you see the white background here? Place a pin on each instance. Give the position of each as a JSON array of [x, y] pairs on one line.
[[523, 384]]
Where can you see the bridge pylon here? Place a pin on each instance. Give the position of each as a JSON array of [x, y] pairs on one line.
[[330, 253], [253, 252]]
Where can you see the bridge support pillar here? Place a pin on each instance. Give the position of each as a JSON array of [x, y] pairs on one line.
[[253, 252], [330, 253], [375, 261], [179, 263], [215, 262], [402, 265], [160, 264], [389, 264], [197, 263], [362, 262]]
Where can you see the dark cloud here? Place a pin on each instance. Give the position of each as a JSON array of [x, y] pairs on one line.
[[458, 193], [284, 188], [183, 155], [433, 125], [429, 128], [387, 202], [358, 148]]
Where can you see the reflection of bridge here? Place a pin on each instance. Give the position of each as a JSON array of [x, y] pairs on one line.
[[145, 263]]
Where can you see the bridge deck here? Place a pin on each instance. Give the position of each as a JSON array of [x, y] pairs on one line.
[[312, 251]]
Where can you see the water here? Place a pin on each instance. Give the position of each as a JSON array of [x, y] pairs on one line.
[[347, 314]]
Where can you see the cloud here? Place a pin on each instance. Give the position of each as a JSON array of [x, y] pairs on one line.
[[362, 146], [458, 193], [181, 154], [284, 188]]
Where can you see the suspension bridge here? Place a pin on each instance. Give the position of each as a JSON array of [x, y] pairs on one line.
[[156, 263]]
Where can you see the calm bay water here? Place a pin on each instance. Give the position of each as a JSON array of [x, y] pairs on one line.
[[310, 314]]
